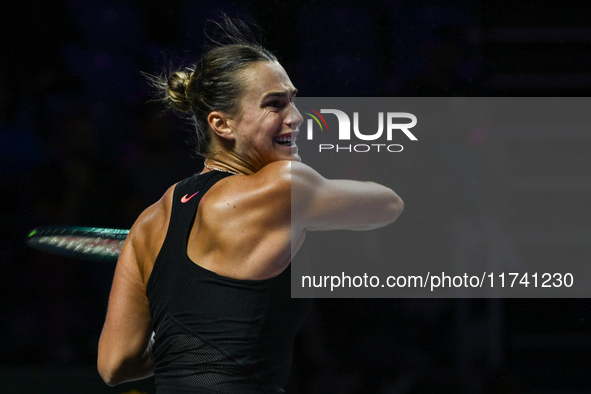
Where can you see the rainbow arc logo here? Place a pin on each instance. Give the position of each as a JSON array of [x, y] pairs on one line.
[[316, 118]]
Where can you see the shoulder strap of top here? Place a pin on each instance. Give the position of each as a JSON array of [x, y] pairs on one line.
[[185, 200]]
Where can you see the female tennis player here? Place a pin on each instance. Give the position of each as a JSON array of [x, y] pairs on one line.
[[206, 268]]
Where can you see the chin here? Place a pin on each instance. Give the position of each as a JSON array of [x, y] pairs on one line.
[[295, 157]]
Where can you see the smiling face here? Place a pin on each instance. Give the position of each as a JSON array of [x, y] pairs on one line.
[[266, 127]]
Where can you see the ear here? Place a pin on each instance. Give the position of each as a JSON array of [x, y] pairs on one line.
[[220, 126]]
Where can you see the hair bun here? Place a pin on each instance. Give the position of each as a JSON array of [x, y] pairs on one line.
[[179, 90]]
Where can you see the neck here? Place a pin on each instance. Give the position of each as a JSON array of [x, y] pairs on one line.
[[228, 162], [210, 168]]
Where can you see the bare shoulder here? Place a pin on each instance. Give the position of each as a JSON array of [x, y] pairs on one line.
[[286, 174], [276, 175], [260, 200], [287, 179], [282, 183], [273, 179], [148, 232]]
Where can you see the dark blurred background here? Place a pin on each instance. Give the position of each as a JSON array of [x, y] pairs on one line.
[[80, 145]]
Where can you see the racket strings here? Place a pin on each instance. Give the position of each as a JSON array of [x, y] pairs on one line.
[[97, 246]]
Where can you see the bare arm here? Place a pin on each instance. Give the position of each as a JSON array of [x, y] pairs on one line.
[[322, 204], [123, 353]]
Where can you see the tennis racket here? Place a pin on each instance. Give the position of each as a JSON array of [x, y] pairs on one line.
[[87, 243]]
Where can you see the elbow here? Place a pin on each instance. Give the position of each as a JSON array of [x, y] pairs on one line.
[[111, 377], [395, 208], [109, 381], [387, 213], [108, 372], [108, 376], [115, 368]]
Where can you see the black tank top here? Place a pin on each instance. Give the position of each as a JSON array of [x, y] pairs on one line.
[[216, 334]]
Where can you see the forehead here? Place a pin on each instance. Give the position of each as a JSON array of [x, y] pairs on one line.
[[264, 77]]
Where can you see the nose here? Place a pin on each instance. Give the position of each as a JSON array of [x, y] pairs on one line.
[[295, 118]]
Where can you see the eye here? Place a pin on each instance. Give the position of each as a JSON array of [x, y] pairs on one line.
[[277, 103]]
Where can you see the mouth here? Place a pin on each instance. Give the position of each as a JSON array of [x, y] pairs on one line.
[[285, 140]]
